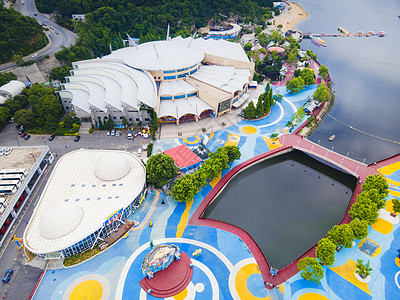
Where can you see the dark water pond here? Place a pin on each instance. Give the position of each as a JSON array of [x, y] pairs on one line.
[[365, 73], [286, 203]]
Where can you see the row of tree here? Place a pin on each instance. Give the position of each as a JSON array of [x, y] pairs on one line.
[[364, 212], [264, 103], [20, 35], [185, 188]]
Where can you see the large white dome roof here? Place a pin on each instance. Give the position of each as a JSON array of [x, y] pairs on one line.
[[59, 220], [112, 166]]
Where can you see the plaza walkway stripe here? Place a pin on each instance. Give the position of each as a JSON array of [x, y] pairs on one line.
[[184, 220]]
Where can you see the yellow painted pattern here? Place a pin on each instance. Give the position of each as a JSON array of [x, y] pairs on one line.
[[211, 135], [88, 290], [125, 235], [215, 180], [241, 282], [249, 130], [382, 226], [186, 141], [377, 251], [181, 296], [389, 206], [281, 289], [394, 193], [392, 182], [233, 140], [397, 261], [390, 169], [184, 220], [347, 272], [271, 144], [312, 296]]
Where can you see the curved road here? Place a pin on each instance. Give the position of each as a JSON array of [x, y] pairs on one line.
[[63, 38]]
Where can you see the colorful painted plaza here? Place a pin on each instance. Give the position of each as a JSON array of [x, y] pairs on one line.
[[226, 268]]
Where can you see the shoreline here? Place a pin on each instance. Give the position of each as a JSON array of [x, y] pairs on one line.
[[290, 17]]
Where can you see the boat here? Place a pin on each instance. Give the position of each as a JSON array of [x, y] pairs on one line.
[[317, 41], [381, 33], [331, 138]]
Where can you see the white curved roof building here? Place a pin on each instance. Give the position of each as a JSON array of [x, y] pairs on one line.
[[182, 79], [84, 190], [11, 89]]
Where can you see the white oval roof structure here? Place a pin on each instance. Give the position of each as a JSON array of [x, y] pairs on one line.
[[59, 220], [174, 54], [13, 88], [112, 166]]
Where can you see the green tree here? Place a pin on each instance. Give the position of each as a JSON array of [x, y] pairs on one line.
[[59, 73], [4, 115], [7, 77], [299, 115], [260, 106], [321, 94], [101, 124], [18, 59], [323, 71], [200, 178], [233, 153], [310, 269], [377, 182], [341, 235], [124, 121], [396, 205], [248, 46], [273, 136], [373, 196], [360, 228], [184, 189], [26, 118], [363, 269], [308, 76], [250, 111], [292, 58], [295, 85], [364, 209], [311, 54], [160, 169], [325, 252]]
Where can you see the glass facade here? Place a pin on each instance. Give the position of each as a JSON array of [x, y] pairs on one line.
[[180, 96], [169, 77], [166, 98]]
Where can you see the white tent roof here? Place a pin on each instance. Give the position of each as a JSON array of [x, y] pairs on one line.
[[75, 186], [2, 99], [181, 107], [176, 87], [14, 87], [95, 88]]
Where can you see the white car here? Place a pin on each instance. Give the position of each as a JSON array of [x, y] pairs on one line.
[[117, 133], [34, 55], [108, 133], [2, 151], [146, 135], [112, 132], [8, 151]]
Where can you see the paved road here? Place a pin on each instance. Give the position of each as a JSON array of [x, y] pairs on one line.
[[63, 38], [25, 277]]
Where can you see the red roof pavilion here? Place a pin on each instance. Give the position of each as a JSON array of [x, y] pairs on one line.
[[184, 157]]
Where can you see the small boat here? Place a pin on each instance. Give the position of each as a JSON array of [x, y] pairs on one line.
[[331, 138], [381, 33], [317, 41]]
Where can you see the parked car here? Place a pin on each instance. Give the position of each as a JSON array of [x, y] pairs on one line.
[[52, 137], [146, 135], [7, 276], [113, 132], [27, 137], [139, 152], [8, 151], [57, 32], [2, 151], [117, 133], [34, 55], [35, 14], [77, 138], [51, 27], [24, 134], [108, 133], [21, 131]]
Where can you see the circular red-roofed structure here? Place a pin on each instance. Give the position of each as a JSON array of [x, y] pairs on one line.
[[277, 49]]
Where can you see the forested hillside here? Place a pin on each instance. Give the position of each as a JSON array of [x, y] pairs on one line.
[[108, 21], [19, 34]]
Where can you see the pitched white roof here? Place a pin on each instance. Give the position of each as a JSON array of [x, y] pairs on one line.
[[2, 99], [75, 186]]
